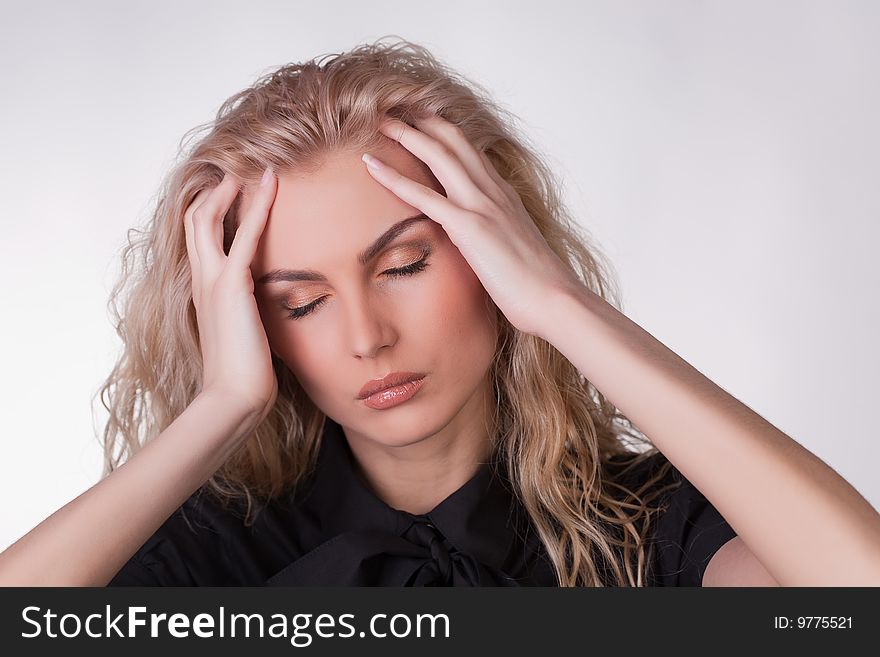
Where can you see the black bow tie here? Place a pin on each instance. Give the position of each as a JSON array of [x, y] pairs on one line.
[[421, 556]]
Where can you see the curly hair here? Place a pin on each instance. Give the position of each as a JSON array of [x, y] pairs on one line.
[[565, 447]]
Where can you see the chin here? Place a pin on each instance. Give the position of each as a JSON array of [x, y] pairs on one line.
[[400, 429]]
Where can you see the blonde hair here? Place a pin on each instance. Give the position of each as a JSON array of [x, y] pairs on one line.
[[554, 431]]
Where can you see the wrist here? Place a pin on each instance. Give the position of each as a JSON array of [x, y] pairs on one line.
[[563, 304], [230, 406]]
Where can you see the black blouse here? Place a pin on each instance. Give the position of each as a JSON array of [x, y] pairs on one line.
[[335, 531]]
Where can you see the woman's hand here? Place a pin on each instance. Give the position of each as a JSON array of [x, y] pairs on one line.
[[483, 216], [236, 357]]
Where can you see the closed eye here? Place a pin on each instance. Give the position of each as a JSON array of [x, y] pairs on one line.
[[407, 270]]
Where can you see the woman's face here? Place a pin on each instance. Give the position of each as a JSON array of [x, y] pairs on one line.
[[365, 323]]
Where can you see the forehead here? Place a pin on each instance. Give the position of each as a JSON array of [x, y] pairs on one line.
[[321, 220]]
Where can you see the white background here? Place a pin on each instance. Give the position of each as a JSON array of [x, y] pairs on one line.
[[724, 155]]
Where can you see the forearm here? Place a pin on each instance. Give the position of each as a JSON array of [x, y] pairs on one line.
[[805, 523], [90, 538]]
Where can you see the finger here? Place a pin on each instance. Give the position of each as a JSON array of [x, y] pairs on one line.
[[189, 235], [255, 213], [438, 207], [455, 140], [208, 226], [442, 161], [502, 183]]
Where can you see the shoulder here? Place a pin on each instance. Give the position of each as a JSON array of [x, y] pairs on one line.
[[205, 542], [685, 532], [184, 551]]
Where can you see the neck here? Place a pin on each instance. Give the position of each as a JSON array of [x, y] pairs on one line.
[[416, 477]]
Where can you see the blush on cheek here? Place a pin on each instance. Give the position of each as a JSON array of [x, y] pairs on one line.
[[461, 302]]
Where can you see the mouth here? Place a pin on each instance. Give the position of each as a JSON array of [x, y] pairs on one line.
[[387, 382], [393, 396]]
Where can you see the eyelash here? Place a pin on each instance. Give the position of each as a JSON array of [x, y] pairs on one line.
[[408, 270]]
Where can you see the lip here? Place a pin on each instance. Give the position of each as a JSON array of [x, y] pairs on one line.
[[388, 381], [393, 396]]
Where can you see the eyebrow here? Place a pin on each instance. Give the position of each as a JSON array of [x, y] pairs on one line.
[[364, 257]]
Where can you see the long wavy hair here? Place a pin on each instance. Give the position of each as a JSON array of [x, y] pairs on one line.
[[564, 446]]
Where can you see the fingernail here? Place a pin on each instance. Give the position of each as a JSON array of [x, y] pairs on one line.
[[267, 176], [371, 161]]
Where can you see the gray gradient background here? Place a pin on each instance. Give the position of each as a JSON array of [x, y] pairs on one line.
[[723, 154]]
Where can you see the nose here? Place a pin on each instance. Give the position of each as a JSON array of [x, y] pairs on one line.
[[368, 327]]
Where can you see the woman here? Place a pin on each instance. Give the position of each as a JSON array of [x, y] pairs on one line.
[[410, 370]]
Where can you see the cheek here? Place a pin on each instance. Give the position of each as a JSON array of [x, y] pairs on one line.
[[458, 310], [300, 358]]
